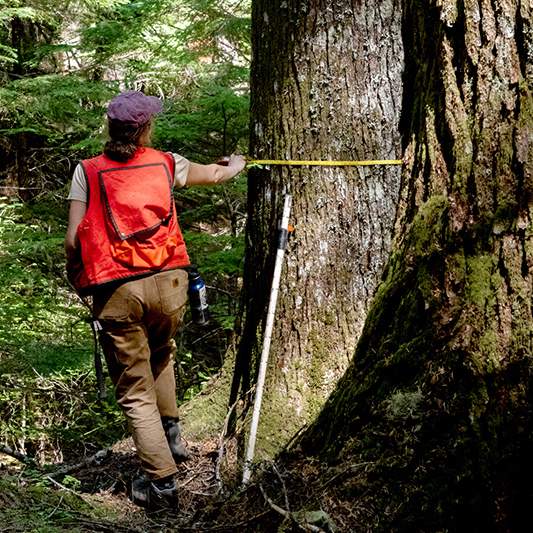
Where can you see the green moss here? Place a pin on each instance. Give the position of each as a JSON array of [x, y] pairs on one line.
[[204, 415], [405, 405], [32, 504], [457, 265], [483, 279], [426, 285], [278, 422], [428, 225], [489, 350], [329, 318], [320, 354], [317, 519], [504, 219], [463, 157]]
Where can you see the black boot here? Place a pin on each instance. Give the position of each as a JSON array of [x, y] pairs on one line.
[[173, 434], [155, 495]]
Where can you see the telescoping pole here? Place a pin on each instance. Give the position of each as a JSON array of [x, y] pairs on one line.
[[284, 236]]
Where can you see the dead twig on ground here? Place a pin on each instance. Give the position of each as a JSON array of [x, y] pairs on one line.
[[56, 508], [193, 477], [284, 487], [72, 491], [221, 447]]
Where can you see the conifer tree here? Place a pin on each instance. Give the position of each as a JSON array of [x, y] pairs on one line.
[[325, 82]]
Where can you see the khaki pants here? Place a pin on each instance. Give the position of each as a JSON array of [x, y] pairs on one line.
[[139, 319]]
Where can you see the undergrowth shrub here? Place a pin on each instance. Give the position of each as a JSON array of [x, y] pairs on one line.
[[57, 417], [47, 387]]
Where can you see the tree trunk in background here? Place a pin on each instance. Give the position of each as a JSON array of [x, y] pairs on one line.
[[15, 167], [326, 85], [435, 412], [16, 150]]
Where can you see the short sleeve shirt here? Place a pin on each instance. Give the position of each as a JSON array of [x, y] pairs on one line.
[[78, 189]]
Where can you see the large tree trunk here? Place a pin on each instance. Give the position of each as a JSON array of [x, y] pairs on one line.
[[435, 411], [326, 85]]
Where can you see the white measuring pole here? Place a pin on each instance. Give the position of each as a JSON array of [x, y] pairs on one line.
[[267, 339]]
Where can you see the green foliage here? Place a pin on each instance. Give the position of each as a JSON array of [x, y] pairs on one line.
[[57, 413], [213, 123], [112, 30], [220, 255], [27, 33], [193, 376], [171, 40], [7, 54], [34, 305], [218, 29], [33, 504], [65, 111], [47, 389]]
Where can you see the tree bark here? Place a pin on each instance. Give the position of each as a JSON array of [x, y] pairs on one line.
[[438, 398], [326, 85]]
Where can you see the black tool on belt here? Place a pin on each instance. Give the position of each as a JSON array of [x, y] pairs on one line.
[[100, 380]]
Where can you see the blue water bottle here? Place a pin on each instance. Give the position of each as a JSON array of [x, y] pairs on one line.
[[198, 298]]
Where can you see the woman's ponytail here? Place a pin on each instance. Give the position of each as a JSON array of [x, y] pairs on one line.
[[124, 140]]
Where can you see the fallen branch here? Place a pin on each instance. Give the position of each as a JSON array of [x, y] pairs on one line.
[[95, 460], [194, 476], [5, 449], [305, 527], [284, 487], [56, 508]]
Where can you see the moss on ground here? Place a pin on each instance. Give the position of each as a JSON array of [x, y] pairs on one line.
[[203, 416], [35, 505]]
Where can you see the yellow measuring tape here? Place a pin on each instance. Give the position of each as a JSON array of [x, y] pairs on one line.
[[224, 160], [323, 163]]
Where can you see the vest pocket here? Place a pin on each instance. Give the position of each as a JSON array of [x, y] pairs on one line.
[[138, 197], [143, 254]]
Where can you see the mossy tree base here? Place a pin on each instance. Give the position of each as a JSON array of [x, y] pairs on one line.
[[438, 398]]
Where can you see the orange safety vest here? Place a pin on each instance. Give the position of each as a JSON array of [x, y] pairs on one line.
[[130, 227]]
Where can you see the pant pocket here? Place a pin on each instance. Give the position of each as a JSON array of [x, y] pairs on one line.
[[116, 308], [118, 305], [172, 287]]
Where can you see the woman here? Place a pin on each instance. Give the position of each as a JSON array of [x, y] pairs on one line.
[[124, 247]]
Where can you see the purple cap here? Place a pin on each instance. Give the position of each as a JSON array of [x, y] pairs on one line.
[[133, 108]]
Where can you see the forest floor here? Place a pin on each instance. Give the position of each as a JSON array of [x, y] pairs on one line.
[[97, 498]]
